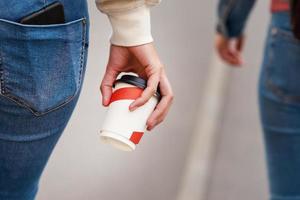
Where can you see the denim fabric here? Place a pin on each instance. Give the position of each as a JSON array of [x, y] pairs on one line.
[[279, 97], [232, 16], [42, 70]]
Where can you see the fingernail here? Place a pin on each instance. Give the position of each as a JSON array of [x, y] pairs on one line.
[[105, 102], [132, 108], [149, 126]]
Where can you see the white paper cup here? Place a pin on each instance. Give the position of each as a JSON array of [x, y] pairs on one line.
[[122, 128]]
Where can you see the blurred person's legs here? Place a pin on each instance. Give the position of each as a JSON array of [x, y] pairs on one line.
[[280, 109], [41, 72]]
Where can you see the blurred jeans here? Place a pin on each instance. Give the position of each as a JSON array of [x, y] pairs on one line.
[[42, 70], [279, 91]]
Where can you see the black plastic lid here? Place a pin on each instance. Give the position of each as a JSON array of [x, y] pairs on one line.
[[136, 81]]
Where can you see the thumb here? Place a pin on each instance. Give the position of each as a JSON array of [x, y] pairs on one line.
[[238, 48], [240, 43], [107, 84]]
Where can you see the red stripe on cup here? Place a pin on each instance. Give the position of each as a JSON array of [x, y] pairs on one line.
[[127, 93], [136, 137]]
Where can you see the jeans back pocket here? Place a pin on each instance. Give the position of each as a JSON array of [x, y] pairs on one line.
[[283, 68], [41, 66]]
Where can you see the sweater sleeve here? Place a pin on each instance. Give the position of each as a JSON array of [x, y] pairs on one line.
[[130, 20]]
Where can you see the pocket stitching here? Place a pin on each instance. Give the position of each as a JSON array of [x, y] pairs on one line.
[[278, 91], [4, 92], [82, 54], [285, 34]]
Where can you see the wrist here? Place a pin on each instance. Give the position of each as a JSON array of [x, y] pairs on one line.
[[131, 28]]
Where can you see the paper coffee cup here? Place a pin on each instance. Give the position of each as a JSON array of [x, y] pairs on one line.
[[122, 128]]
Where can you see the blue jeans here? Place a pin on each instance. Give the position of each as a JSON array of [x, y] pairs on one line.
[[279, 95], [42, 70]]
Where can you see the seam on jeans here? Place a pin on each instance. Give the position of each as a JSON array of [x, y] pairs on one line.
[[1, 74], [82, 53], [2, 79], [5, 92]]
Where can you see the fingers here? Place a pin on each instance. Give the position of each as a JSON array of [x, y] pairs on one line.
[[152, 84], [230, 49], [240, 43], [144, 61], [147, 56], [107, 84], [162, 109], [231, 57]]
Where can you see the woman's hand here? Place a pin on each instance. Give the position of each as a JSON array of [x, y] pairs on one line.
[[144, 61], [230, 49]]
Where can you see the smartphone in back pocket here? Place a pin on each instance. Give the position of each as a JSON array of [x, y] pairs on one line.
[[51, 14]]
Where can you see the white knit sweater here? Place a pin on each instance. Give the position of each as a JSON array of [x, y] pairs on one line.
[[130, 20]]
